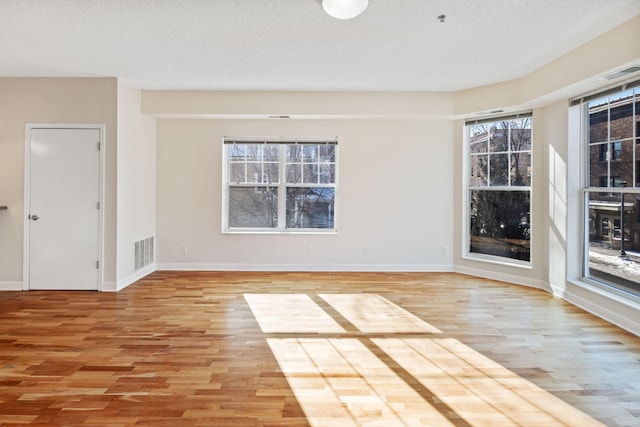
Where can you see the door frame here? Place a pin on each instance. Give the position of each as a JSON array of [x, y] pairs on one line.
[[27, 194]]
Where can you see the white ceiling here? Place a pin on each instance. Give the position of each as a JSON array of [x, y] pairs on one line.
[[395, 45]]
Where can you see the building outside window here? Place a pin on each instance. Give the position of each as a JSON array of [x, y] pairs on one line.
[[279, 186], [499, 188], [612, 190]]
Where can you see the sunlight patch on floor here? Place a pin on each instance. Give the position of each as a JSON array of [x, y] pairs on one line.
[[409, 376], [341, 382], [290, 313], [478, 389], [372, 313]]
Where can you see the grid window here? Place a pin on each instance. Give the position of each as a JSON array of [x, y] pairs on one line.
[[499, 188], [612, 189], [280, 186]]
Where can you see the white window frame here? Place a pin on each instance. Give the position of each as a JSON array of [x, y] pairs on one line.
[[467, 188], [281, 186], [582, 104]]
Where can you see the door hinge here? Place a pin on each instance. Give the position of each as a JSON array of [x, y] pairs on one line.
[[97, 264], [98, 146], [97, 205]]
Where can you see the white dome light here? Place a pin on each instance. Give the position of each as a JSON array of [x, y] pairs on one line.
[[344, 9]]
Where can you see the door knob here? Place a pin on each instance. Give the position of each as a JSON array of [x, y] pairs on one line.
[[34, 217]]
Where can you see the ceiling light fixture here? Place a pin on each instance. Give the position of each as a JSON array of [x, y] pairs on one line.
[[344, 9]]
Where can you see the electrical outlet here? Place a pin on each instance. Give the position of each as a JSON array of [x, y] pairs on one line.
[[309, 249], [183, 248], [365, 250], [444, 250]]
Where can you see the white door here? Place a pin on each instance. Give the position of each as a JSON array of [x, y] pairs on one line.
[[63, 209]]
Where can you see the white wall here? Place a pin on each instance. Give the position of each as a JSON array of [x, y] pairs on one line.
[[136, 183], [395, 197]]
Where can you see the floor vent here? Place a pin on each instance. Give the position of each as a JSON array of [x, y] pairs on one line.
[[143, 253]]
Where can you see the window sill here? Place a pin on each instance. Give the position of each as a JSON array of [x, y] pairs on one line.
[[506, 262], [607, 291], [280, 232]]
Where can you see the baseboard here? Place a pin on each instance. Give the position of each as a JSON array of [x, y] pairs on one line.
[[502, 277], [134, 277], [109, 287], [10, 286], [419, 268], [610, 307]]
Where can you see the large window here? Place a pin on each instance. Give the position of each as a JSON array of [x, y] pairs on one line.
[[612, 190], [283, 186], [499, 188]]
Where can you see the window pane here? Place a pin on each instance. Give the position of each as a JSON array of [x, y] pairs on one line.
[[271, 153], [328, 153], [294, 153], [599, 120], [499, 223], [637, 164], [254, 172], [478, 146], [521, 169], [311, 207], [237, 152], [478, 138], [637, 121], [236, 173], [479, 171], [294, 174], [621, 116], [499, 169], [327, 173], [271, 173], [310, 173], [521, 134], [621, 163], [254, 152], [598, 164], [499, 137], [608, 253], [253, 207], [310, 153]]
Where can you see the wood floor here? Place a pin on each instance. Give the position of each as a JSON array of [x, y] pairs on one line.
[[318, 349]]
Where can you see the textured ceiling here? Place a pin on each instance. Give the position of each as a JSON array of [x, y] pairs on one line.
[[395, 45]]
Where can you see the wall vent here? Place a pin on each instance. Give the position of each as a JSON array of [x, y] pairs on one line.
[[621, 73], [143, 253], [487, 113]]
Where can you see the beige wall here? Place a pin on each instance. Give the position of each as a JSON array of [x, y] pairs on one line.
[[571, 75], [136, 182], [395, 197], [344, 105], [41, 100]]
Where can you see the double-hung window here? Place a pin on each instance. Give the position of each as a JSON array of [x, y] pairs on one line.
[[611, 145], [499, 188], [280, 186]]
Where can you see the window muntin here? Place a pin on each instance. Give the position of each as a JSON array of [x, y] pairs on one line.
[[612, 190], [280, 186], [499, 189]]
